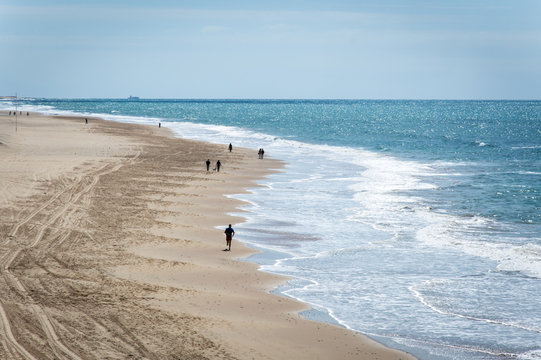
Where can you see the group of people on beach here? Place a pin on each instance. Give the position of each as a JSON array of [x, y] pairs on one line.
[[218, 165], [20, 113], [229, 231]]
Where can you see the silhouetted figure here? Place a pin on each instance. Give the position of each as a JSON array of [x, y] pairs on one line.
[[86, 121], [229, 233], [218, 165], [230, 147], [208, 164]]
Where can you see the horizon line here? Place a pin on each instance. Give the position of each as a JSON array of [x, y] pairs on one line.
[[135, 99]]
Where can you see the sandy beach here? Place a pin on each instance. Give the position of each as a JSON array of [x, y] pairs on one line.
[[112, 246]]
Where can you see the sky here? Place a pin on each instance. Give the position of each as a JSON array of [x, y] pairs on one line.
[[283, 49]]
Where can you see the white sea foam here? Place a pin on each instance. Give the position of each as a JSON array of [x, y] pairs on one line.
[[530, 355], [526, 147], [449, 231], [379, 185], [453, 297]]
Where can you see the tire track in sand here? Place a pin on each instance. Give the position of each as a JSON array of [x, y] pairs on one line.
[[75, 191]]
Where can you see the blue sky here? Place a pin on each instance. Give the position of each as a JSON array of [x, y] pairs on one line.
[[387, 49]]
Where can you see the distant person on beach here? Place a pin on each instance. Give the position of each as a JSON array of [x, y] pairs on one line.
[[160, 125], [218, 164], [208, 164], [229, 233], [86, 121], [230, 147], [260, 153]]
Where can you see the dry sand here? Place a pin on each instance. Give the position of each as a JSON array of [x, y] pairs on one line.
[[109, 250]]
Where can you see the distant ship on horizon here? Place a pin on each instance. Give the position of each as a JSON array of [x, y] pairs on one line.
[[133, 97]]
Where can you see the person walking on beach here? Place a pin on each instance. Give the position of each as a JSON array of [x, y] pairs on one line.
[[229, 233], [218, 164], [208, 164], [230, 147]]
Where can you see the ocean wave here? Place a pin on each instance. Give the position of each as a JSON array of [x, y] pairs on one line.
[[382, 186], [530, 355], [475, 236], [526, 147], [481, 299]]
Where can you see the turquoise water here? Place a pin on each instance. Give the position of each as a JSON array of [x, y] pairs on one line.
[[415, 222]]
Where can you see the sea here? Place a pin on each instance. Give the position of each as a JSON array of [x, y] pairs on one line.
[[417, 223]]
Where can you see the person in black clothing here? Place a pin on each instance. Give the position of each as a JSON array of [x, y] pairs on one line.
[[218, 164], [230, 147], [229, 233], [208, 164]]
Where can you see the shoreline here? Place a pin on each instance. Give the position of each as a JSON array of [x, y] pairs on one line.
[[140, 205]]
